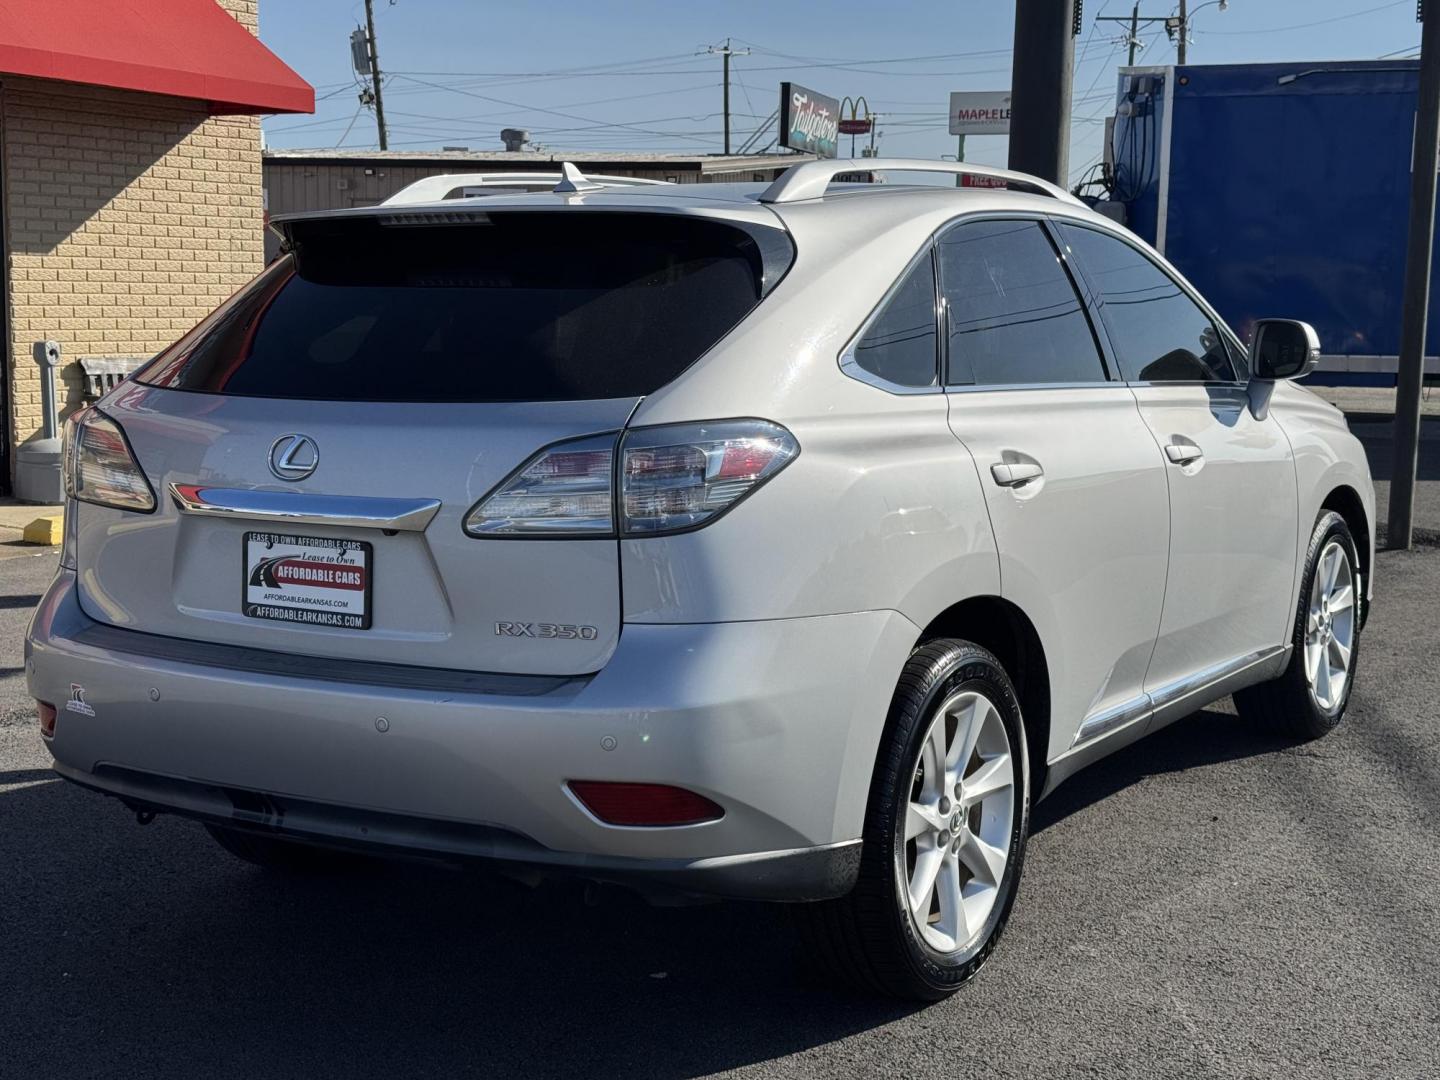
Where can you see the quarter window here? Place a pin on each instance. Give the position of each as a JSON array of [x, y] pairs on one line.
[[1158, 333], [899, 346], [1013, 313]]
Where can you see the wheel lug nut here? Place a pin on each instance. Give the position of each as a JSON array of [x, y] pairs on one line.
[[956, 848], [959, 791], [944, 806], [944, 838]]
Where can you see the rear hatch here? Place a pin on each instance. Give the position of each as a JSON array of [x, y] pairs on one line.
[[370, 388]]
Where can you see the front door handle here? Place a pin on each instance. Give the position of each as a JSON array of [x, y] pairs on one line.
[[1015, 473], [1184, 453]]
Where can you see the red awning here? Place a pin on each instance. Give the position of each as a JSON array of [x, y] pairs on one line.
[[182, 48]]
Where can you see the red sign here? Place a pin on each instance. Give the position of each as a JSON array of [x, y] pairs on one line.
[[859, 126], [976, 180]]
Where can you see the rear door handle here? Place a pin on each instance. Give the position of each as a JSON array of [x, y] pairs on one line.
[[1015, 473], [1183, 453]]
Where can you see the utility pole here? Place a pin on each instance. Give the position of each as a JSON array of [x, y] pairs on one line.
[[1184, 34], [1041, 85], [725, 52], [1134, 41], [1415, 312], [375, 73]]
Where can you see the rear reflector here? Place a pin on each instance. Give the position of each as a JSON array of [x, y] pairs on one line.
[[644, 804], [47, 718]]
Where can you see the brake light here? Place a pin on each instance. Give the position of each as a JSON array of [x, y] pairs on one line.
[[99, 466], [644, 804], [672, 478], [47, 718], [682, 476]]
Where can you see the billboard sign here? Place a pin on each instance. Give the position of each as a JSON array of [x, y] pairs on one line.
[[809, 121], [980, 112]]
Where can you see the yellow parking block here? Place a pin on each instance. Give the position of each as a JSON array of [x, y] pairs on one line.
[[45, 530]]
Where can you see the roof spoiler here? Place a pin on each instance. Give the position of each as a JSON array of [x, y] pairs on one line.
[[810, 179]]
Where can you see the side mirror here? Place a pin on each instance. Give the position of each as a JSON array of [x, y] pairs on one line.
[[1283, 349]]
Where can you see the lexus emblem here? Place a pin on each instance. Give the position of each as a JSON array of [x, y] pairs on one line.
[[294, 457]]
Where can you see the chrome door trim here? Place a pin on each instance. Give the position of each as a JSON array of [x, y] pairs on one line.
[[298, 508], [1175, 699], [1112, 719]]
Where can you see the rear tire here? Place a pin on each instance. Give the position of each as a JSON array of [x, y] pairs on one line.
[[950, 794], [287, 856], [1309, 698]]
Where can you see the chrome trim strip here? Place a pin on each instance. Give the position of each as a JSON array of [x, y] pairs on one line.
[[1166, 699], [298, 508], [1113, 719]]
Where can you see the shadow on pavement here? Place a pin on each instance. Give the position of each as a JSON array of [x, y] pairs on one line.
[[153, 948], [156, 953], [1204, 738]]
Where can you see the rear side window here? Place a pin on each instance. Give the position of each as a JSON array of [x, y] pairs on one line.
[[900, 344], [1157, 332], [1014, 315], [531, 306]]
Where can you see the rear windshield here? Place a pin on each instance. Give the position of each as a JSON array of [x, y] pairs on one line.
[[509, 307]]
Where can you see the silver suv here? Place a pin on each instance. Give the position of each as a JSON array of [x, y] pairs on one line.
[[784, 543]]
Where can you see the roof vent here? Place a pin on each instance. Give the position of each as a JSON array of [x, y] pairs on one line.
[[514, 138]]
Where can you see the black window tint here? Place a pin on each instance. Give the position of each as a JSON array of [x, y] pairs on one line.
[[1013, 312], [1158, 333], [509, 307], [900, 345]]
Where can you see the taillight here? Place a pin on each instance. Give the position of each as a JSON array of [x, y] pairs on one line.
[[672, 478], [644, 804], [564, 489], [99, 467], [681, 476], [47, 718]]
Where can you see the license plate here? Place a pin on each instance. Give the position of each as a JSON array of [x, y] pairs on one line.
[[307, 579]]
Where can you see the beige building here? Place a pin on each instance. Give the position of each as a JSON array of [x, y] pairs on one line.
[[130, 180]]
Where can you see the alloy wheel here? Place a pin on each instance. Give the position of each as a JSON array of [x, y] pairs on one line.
[[958, 822], [1330, 627]]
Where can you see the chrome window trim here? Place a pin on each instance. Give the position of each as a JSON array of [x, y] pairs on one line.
[[850, 366], [1160, 263], [987, 388]]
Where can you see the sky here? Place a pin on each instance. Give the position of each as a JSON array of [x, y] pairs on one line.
[[597, 75]]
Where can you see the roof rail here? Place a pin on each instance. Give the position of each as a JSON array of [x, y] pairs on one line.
[[439, 188], [810, 179]]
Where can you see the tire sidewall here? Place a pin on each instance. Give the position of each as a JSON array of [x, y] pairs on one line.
[[1330, 526], [965, 668]]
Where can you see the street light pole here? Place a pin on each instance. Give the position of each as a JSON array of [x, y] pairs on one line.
[[1415, 311]]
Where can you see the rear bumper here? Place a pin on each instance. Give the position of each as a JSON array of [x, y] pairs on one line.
[[778, 722]]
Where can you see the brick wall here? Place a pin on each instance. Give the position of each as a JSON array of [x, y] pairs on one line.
[[128, 217]]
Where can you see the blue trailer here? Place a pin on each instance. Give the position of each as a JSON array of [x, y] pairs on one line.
[[1280, 190]]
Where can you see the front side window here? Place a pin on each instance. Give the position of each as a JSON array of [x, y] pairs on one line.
[[1157, 332], [1014, 316], [899, 345]]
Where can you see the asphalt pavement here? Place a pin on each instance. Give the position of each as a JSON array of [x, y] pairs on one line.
[[1210, 902]]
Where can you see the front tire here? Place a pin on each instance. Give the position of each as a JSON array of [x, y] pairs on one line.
[[944, 836], [1309, 698]]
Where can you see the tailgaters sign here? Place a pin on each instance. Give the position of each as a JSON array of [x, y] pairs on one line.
[[809, 121]]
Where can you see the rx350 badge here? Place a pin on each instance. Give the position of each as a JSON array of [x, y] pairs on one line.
[[552, 631]]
